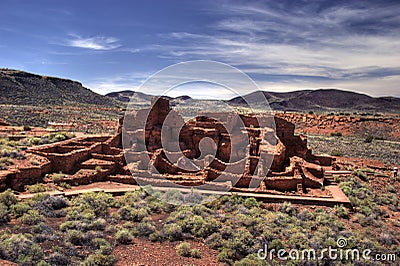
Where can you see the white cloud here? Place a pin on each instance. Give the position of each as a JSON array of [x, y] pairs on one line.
[[94, 43], [345, 46]]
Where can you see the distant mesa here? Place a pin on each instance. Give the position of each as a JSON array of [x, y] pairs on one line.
[[23, 88], [127, 95], [320, 100]]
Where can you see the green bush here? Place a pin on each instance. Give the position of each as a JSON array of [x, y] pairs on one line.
[[250, 260], [341, 211], [59, 259], [369, 139], [19, 209], [31, 217], [102, 245], [172, 232], [214, 241], [5, 162], [123, 236], [4, 216], [144, 229], [131, 214], [287, 208], [227, 256], [336, 134], [99, 260], [76, 237], [361, 174], [8, 198], [195, 253], [98, 202], [336, 153], [183, 249], [21, 249], [36, 188]]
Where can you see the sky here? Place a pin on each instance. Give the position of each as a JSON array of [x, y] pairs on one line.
[[282, 45]]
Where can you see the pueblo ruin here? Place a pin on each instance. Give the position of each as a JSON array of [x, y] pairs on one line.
[[278, 161]]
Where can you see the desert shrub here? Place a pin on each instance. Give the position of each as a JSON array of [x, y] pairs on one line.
[[98, 202], [361, 174], [251, 203], [4, 216], [21, 249], [173, 196], [227, 256], [99, 224], [31, 217], [59, 259], [8, 198], [58, 176], [287, 208], [77, 237], [123, 236], [19, 209], [341, 211], [306, 216], [131, 199], [193, 198], [48, 138], [250, 260], [195, 253], [131, 214], [34, 141], [214, 241], [369, 139], [276, 244], [102, 245], [5, 162], [99, 260], [98, 168], [80, 213], [336, 153], [144, 229], [50, 206], [26, 128], [172, 232], [64, 185], [198, 226], [41, 228], [242, 243], [183, 249], [156, 236], [336, 134], [36, 188]]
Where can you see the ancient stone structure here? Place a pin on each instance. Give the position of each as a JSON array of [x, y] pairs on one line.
[[234, 163]]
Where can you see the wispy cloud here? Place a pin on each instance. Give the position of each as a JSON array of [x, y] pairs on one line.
[[310, 44], [94, 43]]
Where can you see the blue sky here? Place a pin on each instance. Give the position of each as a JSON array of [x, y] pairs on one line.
[[282, 45]]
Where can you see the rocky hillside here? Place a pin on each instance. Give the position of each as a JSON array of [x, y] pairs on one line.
[[321, 100], [22, 88]]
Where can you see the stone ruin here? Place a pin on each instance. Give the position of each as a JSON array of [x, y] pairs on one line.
[[135, 154]]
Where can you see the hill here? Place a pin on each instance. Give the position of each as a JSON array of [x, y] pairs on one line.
[[126, 96], [137, 98], [23, 88], [320, 100]]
